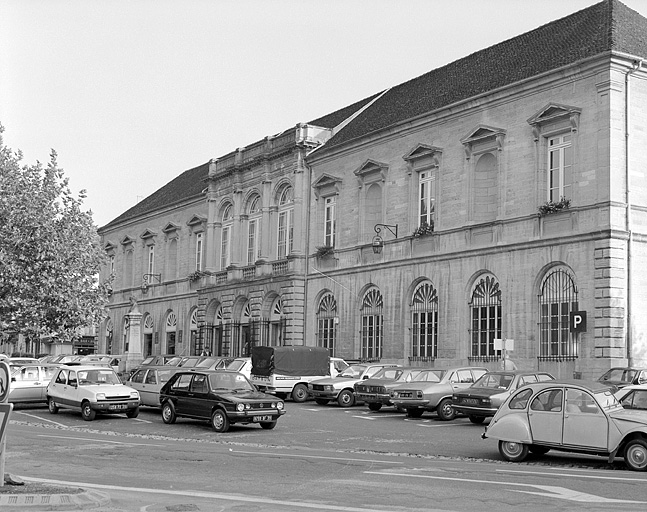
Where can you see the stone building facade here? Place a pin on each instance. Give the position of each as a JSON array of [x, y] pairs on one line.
[[500, 197]]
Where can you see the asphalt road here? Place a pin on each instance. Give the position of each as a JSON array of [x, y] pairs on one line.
[[317, 458]]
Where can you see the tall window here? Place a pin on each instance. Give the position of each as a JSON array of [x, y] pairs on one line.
[[426, 198], [197, 345], [330, 219], [424, 321], [557, 299], [286, 223], [225, 246], [560, 165], [151, 259], [372, 325], [199, 239], [252, 229], [326, 322], [171, 330], [112, 265], [148, 336], [486, 317], [109, 332]]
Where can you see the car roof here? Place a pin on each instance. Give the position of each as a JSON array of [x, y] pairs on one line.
[[81, 367], [588, 385]]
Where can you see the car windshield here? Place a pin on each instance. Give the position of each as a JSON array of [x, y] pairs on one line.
[[206, 363], [230, 382], [174, 361], [353, 371], [607, 400], [96, 377], [619, 375], [148, 360], [495, 381], [388, 373], [429, 376]]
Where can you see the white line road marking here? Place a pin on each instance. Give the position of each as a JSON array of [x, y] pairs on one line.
[[445, 425], [600, 477], [210, 495], [550, 490], [313, 457], [41, 418], [364, 418], [99, 440], [142, 421]]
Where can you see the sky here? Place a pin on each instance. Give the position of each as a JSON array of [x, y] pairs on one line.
[[131, 93]]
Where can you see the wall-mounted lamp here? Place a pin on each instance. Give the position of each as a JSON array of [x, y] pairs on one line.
[[146, 280], [378, 243]]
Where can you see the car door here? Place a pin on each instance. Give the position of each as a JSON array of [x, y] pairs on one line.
[[198, 397], [136, 381], [546, 416], [585, 425], [25, 385]]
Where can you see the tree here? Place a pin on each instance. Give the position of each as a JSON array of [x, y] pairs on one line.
[[50, 253]]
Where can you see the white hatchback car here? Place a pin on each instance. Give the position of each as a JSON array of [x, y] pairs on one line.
[[91, 390]]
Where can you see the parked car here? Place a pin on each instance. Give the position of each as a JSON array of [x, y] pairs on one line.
[[621, 377], [341, 388], [214, 363], [376, 391], [633, 397], [29, 383], [20, 361], [148, 380], [572, 416], [483, 398], [91, 390], [241, 365], [222, 397], [102, 360], [432, 389], [157, 360], [185, 361]]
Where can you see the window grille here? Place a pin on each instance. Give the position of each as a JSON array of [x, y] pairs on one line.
[[327, 323], [557, 299], [372, 326], [486, 318], [424, 323]]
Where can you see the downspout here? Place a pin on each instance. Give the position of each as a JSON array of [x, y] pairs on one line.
[[635, 67]]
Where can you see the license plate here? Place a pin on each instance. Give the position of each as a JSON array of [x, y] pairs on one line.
[[118, 407], [470, 401], [256, 419]]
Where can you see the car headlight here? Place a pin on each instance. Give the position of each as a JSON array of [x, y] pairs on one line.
[[240, 407], [329, 388], [280, 405], [394, 394], [101, 396], [134, 394], [486, 401], [419, 394]]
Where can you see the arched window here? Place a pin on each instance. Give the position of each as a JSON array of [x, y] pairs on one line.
[[171, 332], [327, 321], [253, 229], [285, 229], [424, 323], [197, 346], [214, 333], [148, 336], [372, 325], [242, 336], [276, 323], [486, 318], [225, 245], [558, 297]]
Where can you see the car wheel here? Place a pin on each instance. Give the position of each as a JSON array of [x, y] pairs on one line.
[[321, 401], [86, 411], [133, 413], [219, 421], [168, 412], [445, 410], [374, 406], [51, 405], [477, 420], [636, 455], [346, 398], [268, 425], [300, 393], [414, 413], [539, 450], [514, 452]]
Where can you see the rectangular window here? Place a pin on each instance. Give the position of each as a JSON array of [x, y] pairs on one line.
[[372, 337], [198, 251], [329, 221], [151, 259], [424, 334], [251, 242], [560, 167], [224, 248], [326, 334], [112, 264], [426, 198], [285, 234], [486, 327]]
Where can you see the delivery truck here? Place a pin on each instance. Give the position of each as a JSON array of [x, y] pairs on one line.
[[286, 371]]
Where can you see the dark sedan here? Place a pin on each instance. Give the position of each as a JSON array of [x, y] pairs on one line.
[[376, 391], [220, 396], [483, 398]]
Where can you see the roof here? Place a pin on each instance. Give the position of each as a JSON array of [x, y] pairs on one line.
[[590, 385], [607, 26]]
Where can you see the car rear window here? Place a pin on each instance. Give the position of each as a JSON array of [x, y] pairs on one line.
[[520, 400]]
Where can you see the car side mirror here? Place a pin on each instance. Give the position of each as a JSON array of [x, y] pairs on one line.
[[364, 377]]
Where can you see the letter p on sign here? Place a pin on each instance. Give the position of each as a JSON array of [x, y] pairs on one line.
[[578, 321]]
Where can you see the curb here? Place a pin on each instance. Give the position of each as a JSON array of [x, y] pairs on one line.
[[84, 500]]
